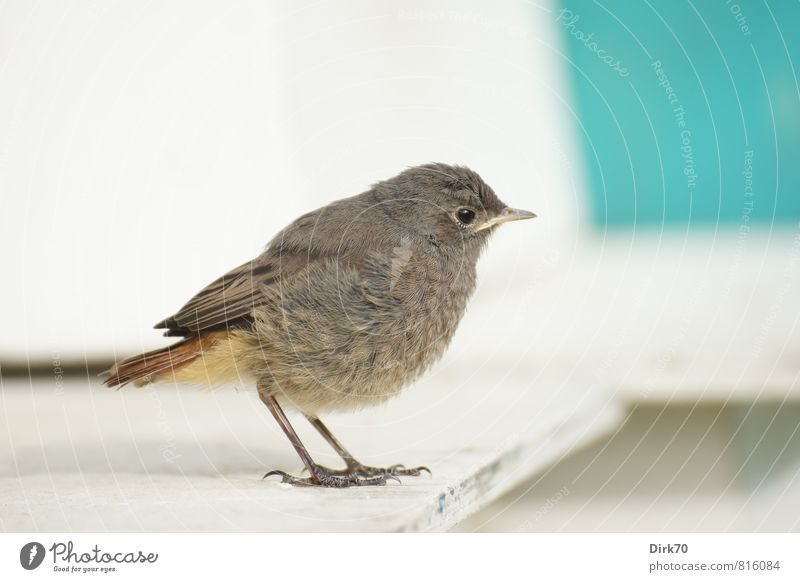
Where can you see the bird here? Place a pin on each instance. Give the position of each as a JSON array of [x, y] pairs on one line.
[[345, 307]]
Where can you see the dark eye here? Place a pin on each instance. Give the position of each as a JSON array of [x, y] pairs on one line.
[[465, 215]]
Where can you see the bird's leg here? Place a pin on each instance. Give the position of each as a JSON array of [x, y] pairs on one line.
[[354, 467], [318, 476]]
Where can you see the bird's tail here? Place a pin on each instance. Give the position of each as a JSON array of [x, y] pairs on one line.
[[148, 367]]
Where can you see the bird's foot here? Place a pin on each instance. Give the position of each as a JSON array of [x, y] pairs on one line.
[[324, 477], [391, 471], [358, 470]]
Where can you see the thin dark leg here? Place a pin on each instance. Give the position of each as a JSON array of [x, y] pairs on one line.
[[280, 416], [354, 467], [318, 476], [332, 440]]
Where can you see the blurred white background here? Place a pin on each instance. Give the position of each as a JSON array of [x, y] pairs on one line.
[[147, 148]]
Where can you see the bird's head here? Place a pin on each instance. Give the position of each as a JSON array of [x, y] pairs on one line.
[[450, 205]]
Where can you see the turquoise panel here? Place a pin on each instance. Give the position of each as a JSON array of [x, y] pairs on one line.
[[688, 113]]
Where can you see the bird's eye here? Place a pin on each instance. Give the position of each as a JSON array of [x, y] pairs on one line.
[[465, 215]]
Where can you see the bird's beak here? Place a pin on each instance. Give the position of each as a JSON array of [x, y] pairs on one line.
[[507, 215]]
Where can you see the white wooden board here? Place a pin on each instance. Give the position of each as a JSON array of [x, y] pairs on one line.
[[79, 457]]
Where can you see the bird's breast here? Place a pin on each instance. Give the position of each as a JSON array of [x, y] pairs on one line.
[[433, 306], [358, 339]]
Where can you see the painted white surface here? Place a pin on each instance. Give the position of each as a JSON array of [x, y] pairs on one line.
[[662, 317], [677, 468], [145, 149], [79, 457]]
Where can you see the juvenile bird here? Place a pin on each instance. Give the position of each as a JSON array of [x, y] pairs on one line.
[[346, 306]]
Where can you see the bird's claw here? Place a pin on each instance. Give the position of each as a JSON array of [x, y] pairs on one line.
[[353, 475], [360, 470], [275, 472], [324, 478], [401, 470]]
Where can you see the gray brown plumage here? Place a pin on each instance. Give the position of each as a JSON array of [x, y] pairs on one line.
[[346, 305]]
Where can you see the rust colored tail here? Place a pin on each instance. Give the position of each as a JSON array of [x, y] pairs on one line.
[[146, 368]]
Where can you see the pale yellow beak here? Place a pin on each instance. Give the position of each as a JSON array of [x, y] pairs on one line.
[[507, 215]]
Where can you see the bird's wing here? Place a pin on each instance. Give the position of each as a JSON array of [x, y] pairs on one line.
[[230, 300], [313, 239], [221, 303]]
